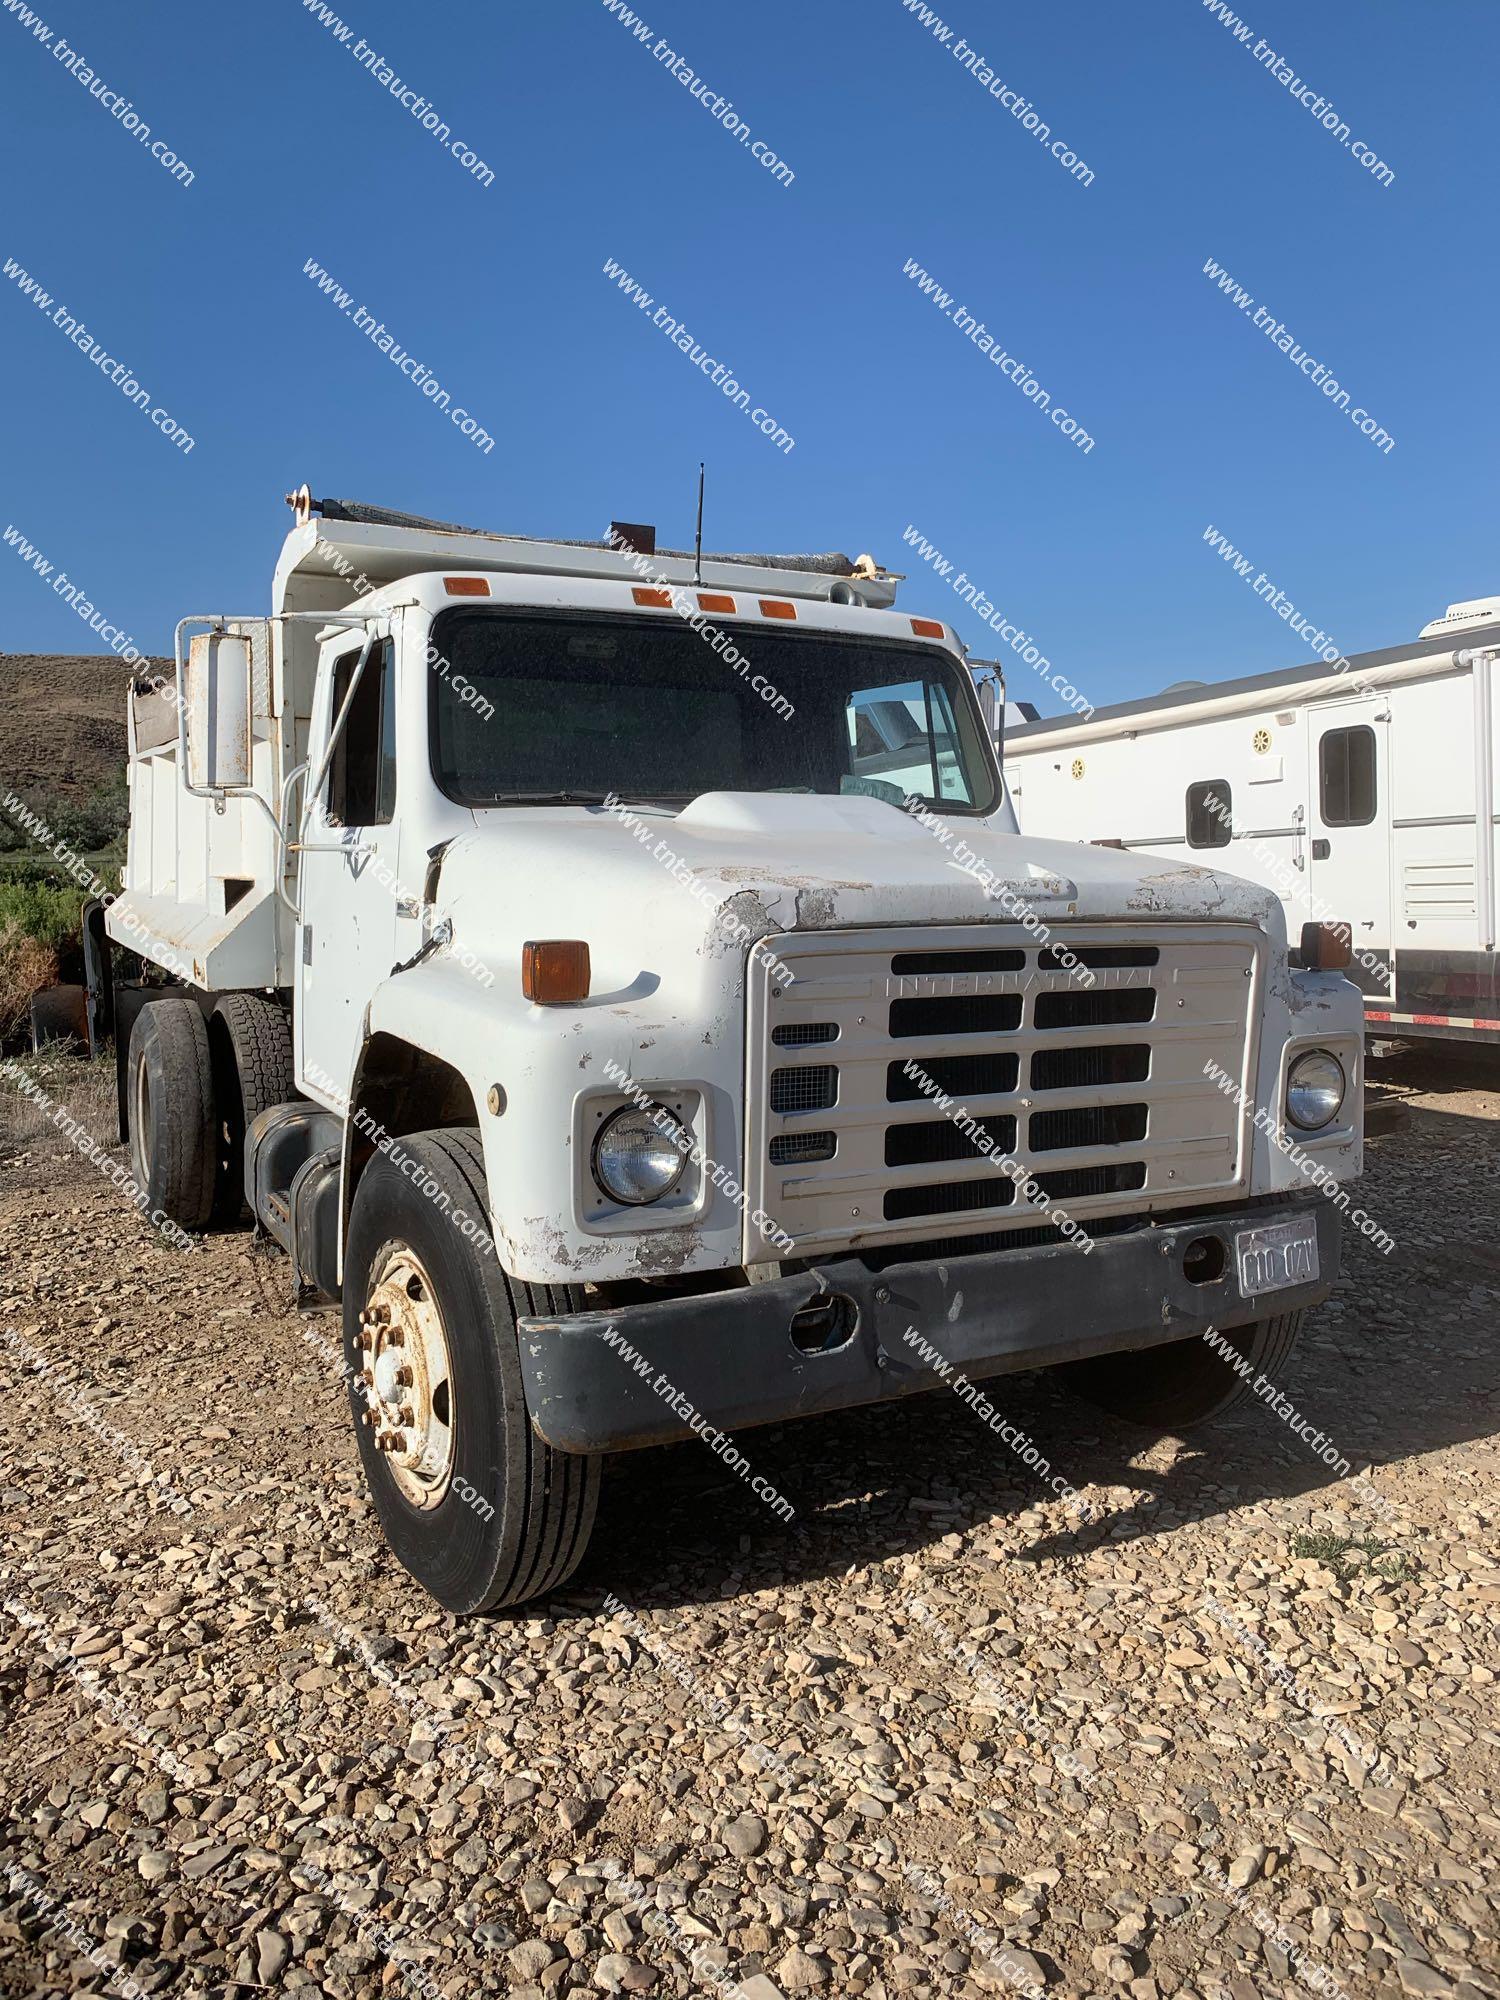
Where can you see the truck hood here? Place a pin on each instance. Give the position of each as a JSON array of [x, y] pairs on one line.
[[644, 884]]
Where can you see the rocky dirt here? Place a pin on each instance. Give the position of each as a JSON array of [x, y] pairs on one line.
[[940, 1734]]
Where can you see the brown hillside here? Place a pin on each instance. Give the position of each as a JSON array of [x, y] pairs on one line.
[[62, 722]]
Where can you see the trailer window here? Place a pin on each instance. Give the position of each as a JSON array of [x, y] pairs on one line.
[[1346, 760], [1209, 813], [362, 777]]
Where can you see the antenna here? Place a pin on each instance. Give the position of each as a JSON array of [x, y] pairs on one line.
[[698, 544]]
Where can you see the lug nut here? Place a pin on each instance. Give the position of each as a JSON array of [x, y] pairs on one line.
[[404, 1378]]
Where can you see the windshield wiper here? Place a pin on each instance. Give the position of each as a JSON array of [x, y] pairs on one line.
[[548, 799]]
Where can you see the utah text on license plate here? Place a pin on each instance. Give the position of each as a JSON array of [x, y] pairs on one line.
[[1276, 1255]]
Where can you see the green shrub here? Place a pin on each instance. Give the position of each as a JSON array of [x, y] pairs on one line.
[[88, 825], [48, 913]]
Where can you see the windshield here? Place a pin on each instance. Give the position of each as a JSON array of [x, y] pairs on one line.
[[569, 708]]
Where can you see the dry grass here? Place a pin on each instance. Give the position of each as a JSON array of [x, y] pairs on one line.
[[84, 1087], [26, 966]]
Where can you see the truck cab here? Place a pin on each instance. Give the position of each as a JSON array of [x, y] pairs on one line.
[[618, 984]]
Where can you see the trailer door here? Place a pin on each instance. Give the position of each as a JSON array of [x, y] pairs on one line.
[[1349, 855]]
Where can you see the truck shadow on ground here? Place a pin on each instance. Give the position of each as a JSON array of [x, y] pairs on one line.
[[1401, 1362]]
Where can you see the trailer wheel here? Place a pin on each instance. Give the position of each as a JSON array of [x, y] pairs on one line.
[[480, 1510], [171, 1097], [1184, 1383], [251, 1041]]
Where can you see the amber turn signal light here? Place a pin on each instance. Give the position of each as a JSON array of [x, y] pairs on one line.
[[777, 607], [555, 971], [1326, 947], [644, 595], [466, 586], [927, 628]]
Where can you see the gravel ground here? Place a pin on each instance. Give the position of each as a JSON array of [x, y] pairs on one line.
[[1226, 1728]]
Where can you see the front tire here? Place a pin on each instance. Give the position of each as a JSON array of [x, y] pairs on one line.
[[169, 1076], [474, 1504], [1185, 1383]]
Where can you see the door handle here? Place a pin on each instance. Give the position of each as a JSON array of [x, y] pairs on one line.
[[1321, 850]]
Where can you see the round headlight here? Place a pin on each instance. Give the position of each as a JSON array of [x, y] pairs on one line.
[[1314, 1090], [639, 1155]]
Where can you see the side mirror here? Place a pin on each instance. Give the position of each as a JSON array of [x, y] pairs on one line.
[[219, 711]]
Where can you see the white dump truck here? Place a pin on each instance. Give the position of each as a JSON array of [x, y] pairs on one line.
[[616, 980]]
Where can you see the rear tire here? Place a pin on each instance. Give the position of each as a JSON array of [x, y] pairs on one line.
[[251, 1041], [171, 1099], [474, 1504], [1185, 1383]]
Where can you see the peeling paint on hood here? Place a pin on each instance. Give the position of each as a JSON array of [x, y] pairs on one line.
[[737, 865]]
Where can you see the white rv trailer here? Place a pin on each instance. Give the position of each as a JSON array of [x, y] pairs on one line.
[[1348, 789]]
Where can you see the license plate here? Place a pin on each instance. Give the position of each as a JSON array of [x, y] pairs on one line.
[[1276, 1255]]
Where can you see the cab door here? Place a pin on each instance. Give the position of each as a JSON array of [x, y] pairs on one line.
[[349, 876], [1349, 851]]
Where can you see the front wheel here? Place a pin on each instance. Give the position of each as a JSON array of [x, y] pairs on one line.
[[480, 1510], [1186, 1382]]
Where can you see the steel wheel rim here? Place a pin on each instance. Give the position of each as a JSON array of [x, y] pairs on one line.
[[406, 1376], [141, 1121]]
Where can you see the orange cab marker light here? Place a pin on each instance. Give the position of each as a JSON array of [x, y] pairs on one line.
[[776, 607], [643, 595], [466, 586], [714, 600], [555, 971], [927, 628]]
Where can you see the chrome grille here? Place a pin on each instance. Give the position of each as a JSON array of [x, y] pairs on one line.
[[1098, 1091]]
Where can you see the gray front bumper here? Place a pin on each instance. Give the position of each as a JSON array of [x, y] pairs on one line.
[[602, 1381]]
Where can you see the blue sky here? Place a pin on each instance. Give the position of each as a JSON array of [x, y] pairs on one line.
[[899, 153]]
